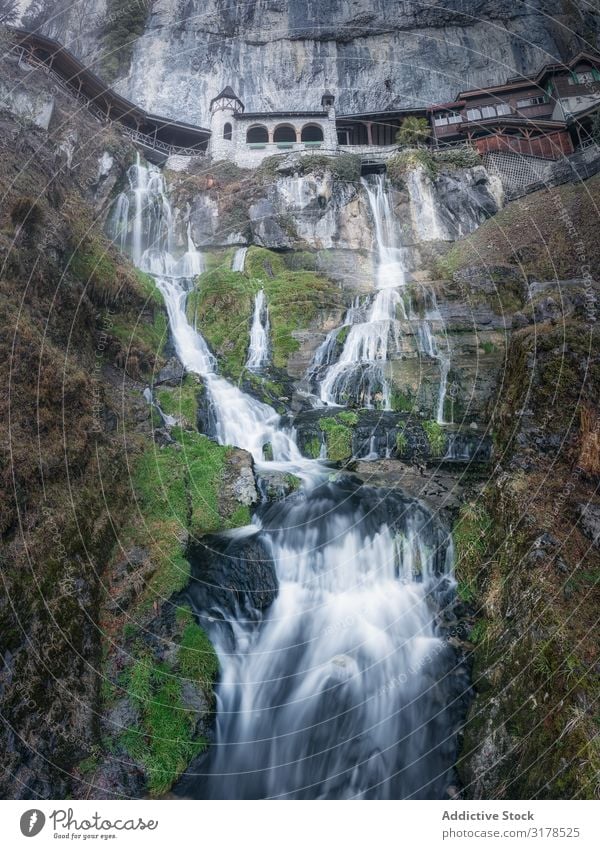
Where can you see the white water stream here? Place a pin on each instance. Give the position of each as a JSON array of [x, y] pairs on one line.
[[341, 689]]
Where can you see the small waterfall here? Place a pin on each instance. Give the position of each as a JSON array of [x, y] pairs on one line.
[[239, 259], [258, 351], [428, 345], [359, 375], [118, 221], [426, 218], [346, 686]]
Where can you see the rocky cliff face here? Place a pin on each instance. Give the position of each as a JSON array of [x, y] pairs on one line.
[[281, 55]]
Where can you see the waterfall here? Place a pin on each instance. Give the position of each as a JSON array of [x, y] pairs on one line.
[[359, 374], [239, 259], [426, 218], [346, 686], [428, 345], [258, 351]]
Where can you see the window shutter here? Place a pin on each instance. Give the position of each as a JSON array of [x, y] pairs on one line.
[[596, 74], [574, 77]]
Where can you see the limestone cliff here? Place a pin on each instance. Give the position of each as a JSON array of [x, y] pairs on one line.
[[281, 55]]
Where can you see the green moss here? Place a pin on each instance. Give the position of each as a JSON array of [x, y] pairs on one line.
[[487, 347], [176, 489], [348, 417], [400, 402], [338, 438], [312, 448], [222, 307], [478, 631], [471, 538], [197, 658], [181, 401], [435, 437], [164, 739]]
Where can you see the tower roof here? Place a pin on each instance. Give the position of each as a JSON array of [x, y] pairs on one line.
[[227, 94]]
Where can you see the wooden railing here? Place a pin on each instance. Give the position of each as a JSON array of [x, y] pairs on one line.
[[149, 141]]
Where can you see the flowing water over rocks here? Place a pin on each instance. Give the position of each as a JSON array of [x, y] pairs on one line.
[[330, 612]]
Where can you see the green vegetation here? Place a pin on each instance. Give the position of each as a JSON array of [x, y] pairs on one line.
[[338, 438], [413, 131], [345, 167], [181, 401], [197, 658], [401, 441], [223, 302], [401, 402], [123, 23], [471, 538], [487, 347], [176, 490], [164, 741], [312, 447], [348, 417], [407, 160], [436, 437]]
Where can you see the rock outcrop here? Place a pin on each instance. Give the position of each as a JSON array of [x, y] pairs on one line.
[[372, 54]]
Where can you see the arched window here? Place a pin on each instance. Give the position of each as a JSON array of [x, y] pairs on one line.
[[284, 133], [312, 133], [227, 131], [257, 135]]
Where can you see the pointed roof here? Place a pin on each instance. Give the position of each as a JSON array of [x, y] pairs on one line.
[[227, 94]]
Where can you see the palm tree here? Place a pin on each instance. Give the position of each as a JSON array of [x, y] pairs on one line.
[[413, 131]]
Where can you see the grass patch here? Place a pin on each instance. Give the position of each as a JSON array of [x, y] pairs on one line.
[[470, 536], [177, 489], [197, 658], [338, 438], [435, 437], [181, 401], [164, 740]]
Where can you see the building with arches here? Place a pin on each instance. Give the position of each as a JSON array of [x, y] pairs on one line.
[[247, 138]]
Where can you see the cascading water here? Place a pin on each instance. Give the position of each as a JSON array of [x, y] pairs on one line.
[[239, 259], [258, 350], [358, 375], [345, 686], [356, 372]]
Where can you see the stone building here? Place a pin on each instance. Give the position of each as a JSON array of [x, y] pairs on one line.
[[247, 138]]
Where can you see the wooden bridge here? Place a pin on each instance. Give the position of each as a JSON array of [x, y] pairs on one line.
[[162, 136]]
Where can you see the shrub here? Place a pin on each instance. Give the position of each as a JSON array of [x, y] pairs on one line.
[[338, 438], [413, 131], [435, 437], [26, 212]]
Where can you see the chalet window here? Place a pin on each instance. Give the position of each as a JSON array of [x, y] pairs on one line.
[[503, 109], [586, 77], [488, 112], [531, 101], [442, 119], [473, 115], [227, 131]]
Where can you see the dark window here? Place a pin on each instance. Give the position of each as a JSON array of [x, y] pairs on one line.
[[284, 133], [312, 133], [257, 135], [227, 131]]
